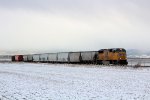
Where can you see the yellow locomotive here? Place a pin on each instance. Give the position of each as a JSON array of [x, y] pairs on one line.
[[112, 56]]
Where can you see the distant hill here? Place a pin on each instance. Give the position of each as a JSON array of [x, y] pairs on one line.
[[135, 53]]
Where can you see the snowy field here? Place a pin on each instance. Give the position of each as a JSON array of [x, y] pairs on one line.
[[26, 81]]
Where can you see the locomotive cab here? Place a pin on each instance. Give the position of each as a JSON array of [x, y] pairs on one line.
[[119, 56]]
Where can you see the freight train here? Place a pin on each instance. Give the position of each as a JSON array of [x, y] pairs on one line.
[[115, 56]]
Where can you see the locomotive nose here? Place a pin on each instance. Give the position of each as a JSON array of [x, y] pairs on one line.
[[122, 56]]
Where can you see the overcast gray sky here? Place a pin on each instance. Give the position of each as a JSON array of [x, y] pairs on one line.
[[74, 24]]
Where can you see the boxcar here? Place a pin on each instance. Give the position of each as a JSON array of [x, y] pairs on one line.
[[63, 57], [89, 56], [25, 58], [52, 57], [29, 58], [19, 58], [75, 57], [44, 58], [36, 58], [5, 58]]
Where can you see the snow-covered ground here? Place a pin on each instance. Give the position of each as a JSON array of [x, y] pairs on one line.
[[26, 81]]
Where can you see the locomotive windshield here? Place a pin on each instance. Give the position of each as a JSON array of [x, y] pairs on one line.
[[120, 50]]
